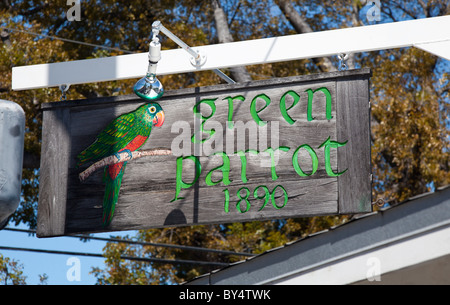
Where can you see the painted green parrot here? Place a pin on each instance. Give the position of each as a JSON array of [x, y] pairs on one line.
[[126, 133]]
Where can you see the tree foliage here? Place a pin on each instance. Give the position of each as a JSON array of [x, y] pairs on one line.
[[409, 96], [11, 272], [410, 132]]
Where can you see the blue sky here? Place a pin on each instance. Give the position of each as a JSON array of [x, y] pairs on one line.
[[55, 265]]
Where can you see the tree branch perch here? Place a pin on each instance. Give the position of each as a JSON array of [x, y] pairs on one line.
[[124, 156]]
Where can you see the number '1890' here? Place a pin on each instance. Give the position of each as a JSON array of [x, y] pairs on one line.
[[243, 204]]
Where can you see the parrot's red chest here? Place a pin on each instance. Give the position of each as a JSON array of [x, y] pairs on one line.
[[136, 143]]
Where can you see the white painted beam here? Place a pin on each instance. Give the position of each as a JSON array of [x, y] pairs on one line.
[[422, 33], [440, 48]]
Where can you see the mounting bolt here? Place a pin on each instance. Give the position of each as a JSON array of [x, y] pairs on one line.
[[200, 60]]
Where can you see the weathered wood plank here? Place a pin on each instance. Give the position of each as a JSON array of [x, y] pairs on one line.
[[353, 125], [51, 218]]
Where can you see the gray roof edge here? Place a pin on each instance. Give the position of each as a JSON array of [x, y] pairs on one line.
[[388, 225]]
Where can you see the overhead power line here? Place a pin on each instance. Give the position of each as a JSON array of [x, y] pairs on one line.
[[68, 40], [189, 248], [132, 258]]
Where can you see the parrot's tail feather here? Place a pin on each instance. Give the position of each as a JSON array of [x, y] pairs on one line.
[[113, 179], [89, 154], [83, 158]]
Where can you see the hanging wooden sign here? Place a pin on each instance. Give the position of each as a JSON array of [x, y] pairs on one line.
[[271, 149]]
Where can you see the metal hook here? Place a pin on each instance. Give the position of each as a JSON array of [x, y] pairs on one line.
[[64, 88], [343, 61], [380, 202]]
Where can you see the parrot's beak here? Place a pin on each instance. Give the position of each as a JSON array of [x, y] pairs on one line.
[[158, 120]]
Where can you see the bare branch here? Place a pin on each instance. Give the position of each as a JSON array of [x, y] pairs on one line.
[[124, 156], [301, 26], [424, 7], [239, 74], [234, 15]]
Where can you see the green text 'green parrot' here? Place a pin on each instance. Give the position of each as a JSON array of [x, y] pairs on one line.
[[126, 133]]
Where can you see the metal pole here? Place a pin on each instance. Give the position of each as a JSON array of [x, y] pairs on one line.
[[196, 55], [157, 25]]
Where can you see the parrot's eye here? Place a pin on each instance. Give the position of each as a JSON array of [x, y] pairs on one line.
[[152, 109]]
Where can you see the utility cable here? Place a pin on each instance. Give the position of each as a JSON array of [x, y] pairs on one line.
[[68, 40], [133, 258], [190, 248]]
